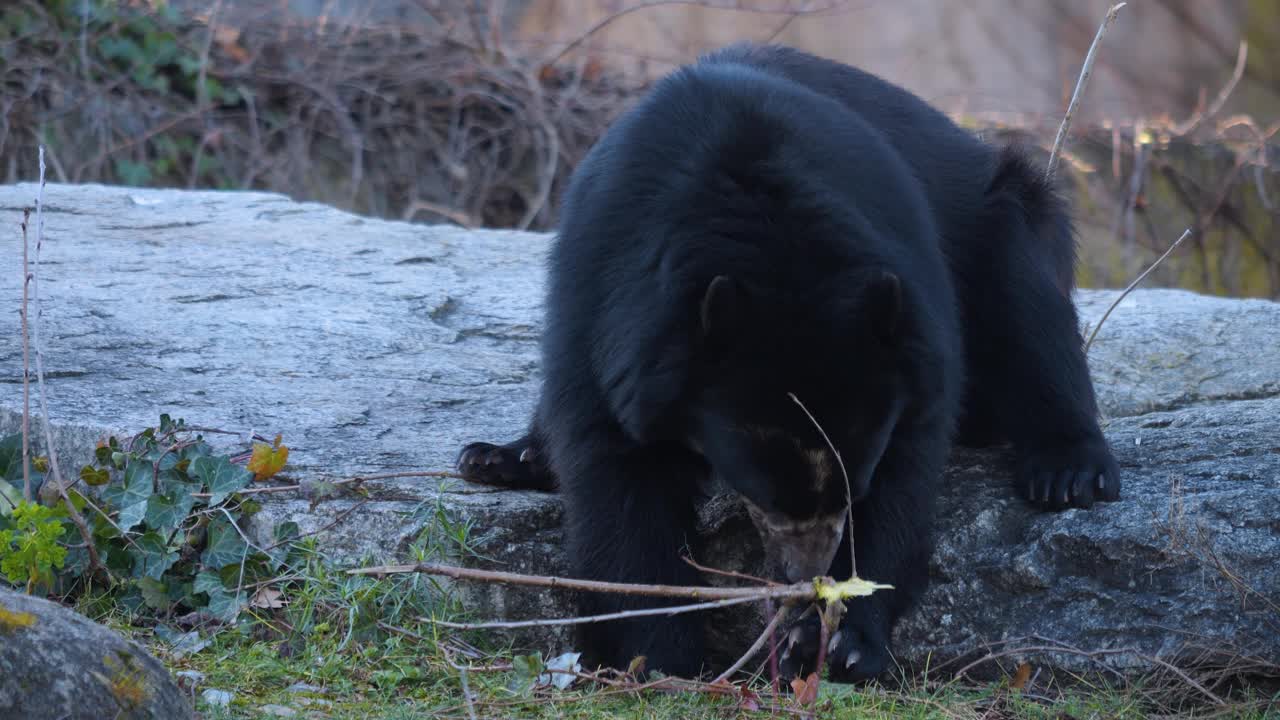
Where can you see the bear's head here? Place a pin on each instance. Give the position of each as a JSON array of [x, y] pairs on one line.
[[812, 398]]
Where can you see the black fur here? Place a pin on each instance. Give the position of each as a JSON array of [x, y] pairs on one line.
[[892, 271]]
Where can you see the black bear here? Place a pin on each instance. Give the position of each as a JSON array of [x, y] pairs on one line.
[[767, 226]]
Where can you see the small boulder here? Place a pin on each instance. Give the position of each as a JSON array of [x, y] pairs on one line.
[[58, 664]]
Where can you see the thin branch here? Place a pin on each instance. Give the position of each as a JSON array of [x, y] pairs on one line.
[[1242, 56], [765, 636], [26, 368], [1085, 71], [798, 591], [1185, 234], [848, 489], [728, 573], [620, 615], [601, 24], [345, 481], [94, 562]]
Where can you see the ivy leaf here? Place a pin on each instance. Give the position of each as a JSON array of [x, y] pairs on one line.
[[267, 460], [286, 532], [527, 669], [94, 476], [131, 515], [11, 463], [130, 495], [198, 450], [151, 556], [207, 582], [220, 477], [158, 457], [154, 593], [225, 606], [166, 512], [285, 535], [222, 603], [77, 562], [226, 547]]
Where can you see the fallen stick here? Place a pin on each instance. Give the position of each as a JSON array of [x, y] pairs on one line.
[[818, 589]]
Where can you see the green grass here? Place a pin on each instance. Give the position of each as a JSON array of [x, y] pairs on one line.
[[361, 643], [372, 673]]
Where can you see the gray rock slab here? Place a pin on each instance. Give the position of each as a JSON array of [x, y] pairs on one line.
[[379, 346], [57, 664]]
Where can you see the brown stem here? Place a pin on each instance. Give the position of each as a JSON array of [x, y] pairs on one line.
[[728, 573]]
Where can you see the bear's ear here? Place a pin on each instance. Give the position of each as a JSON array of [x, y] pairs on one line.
[[720, 309], [884, 304]]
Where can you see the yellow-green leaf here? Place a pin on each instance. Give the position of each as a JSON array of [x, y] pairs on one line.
[[267, 460]]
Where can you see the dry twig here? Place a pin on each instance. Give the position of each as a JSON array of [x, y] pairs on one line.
[[95, 564], [1085, 71], [1186, 233], [798, 591], [26, 367], [1195, 121]]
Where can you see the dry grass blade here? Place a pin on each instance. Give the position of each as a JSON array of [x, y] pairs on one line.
[[848, 489]]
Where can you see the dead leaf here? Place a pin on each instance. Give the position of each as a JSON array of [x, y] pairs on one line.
[[267, 598], [806, 690], [228, 39], [1021, 676]]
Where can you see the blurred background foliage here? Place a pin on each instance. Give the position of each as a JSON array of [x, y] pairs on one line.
[[474, 112]]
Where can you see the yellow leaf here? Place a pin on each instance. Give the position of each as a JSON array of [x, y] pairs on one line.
[[828, 591], [266, 460]]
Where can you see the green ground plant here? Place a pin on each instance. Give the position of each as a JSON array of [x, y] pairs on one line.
[[166, 514]]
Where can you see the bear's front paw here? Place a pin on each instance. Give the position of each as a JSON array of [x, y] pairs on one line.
[[798, 654], [856, 652], [1056, 477], [515, 465]]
